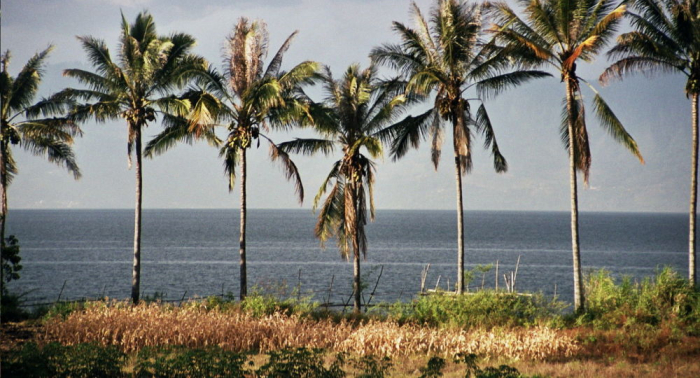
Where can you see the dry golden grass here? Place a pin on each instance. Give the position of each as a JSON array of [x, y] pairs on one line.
[[134, 327]]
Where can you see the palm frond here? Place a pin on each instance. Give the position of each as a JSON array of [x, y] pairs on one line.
[[276, 62], [406, 133], [334, 174], [483, 125], [614, 127], [46, 107], [26, 84], [494, 86], [290, 169], [229, 152], [331, 215], [626, 66], [60, 129], [307, 146], [582, 150], [177, 130], [56, 151]]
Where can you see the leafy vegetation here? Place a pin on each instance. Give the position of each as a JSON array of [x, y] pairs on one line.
[[482, 309], [92, 360], [665, 300]]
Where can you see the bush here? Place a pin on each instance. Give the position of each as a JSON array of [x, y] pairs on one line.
[[300, 362], [486, 309], [56, 360], [667, 299], [11, 308], [183, 362], [260, 303]]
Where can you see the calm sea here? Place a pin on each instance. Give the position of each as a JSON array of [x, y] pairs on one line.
[[191, 253]]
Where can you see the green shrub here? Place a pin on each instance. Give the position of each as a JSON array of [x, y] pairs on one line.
[[371, 366], [63, 309], [485, 308], [666, 299], [184, 362], [56, 360], [260, 303], [12, 310], [433, 369], [301, 362]]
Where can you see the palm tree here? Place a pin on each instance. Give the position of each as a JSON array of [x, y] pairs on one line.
[[356, 109], [558, 33], [248, 100], [447, 57], [30, 125], [666, 39], [136, 88]]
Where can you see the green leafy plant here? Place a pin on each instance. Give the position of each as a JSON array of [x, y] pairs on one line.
[[485, 308], [300, 362], [183, 362], [56, 360]]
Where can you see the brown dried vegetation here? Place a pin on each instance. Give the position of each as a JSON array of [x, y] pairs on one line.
[[133, 327]]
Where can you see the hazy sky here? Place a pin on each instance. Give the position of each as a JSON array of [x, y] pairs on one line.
[[338, 33]]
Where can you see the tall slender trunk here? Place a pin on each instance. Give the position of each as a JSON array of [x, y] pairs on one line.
[[356, 274], [460, 227], [693, 193], [576, 253], [241, 250], [136, 273], [458, 117], [3, 216], [357, 290]]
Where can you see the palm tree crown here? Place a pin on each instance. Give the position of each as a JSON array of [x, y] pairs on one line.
[[446, 56], [666, 39], [558, 33], [248, 100], [137, 87], [356, 109]]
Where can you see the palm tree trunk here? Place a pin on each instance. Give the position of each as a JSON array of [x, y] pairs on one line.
[[460, 227], [357, 290], [458, 117], [3, 216], [693, 193], [578, 281], [136, 273], [356, 274], [241, 250]]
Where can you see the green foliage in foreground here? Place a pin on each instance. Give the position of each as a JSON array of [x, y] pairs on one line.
[[664, 300], [483, 309], [91, 360]]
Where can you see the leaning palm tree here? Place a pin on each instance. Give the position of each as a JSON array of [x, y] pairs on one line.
[[356, 109], [246, 100], [666, 39], [136, 88], [558, 33], [447, 57], [31, 125]]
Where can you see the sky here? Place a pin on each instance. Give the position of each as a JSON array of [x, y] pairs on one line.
[[338, 33]]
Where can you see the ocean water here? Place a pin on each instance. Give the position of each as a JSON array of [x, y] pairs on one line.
[[190, 253]]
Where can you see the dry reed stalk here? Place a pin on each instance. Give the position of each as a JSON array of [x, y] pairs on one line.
[[134, 327]]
